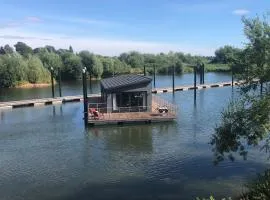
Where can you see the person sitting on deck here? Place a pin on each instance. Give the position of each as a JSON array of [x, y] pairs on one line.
[[93, 113], [96, 114]]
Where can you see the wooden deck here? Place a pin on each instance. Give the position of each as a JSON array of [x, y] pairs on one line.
[[131, 117], [137, 117]]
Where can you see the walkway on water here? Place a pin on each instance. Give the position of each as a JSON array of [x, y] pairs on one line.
[[67, 99]]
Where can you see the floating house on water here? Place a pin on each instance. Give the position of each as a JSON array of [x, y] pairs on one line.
[[128, 99]]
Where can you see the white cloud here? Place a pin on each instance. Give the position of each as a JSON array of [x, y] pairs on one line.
[[76, 20], [33, 19], [241, 12], [20, 22], [103, 46]]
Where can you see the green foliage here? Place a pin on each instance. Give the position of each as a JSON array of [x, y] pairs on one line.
[[34, 69], [244, 123], [6, 50], [103, 66], [23, 49], [97, 67], [72, 66], [50, 60], [247, 121], [212, 198], [225, 55], [256, 57], [135, 59], [217, 67], [14, 69], [71, 49], [50, 49], [109, 67], [87, 60], [36, 73], [258, 188]]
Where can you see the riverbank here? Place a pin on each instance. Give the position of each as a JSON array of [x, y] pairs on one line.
[[33, 85]]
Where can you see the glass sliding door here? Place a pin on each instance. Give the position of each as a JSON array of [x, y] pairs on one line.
[[129, 102]]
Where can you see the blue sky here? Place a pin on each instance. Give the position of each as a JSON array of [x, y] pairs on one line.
[[110, 27]]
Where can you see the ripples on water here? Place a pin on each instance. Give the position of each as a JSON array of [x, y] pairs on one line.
[[47, 154]]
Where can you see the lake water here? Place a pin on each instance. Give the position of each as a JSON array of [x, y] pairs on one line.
[[46, 153]]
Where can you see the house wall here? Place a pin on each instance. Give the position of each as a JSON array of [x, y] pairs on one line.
[[109, 103], [147, 89]]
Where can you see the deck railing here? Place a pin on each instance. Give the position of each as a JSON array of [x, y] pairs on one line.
[[158, 102], [103, 109], [160, 107]]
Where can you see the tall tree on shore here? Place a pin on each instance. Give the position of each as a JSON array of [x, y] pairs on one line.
[[257, 51], [97, 67], [50, 49], [87, 60], [23, 49], [246, 122], [51, 60], [71, 49], [225, 54], [72, 66], [12, 70], [6, 49]]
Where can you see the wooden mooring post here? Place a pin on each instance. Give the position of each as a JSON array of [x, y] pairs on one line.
[[90, 82], [173, 76], [154, 75], [195, 82], [203, 73], [232, 76], [52, 82], [59, 80], [144, 72], [85, 101]]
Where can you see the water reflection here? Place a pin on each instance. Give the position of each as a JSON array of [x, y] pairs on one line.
[[126, 138], [46, 153]]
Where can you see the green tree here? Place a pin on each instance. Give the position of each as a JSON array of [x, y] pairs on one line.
[[36, 72], [257, 57], [50, 49], [51, 60], [246, 122], [87, 60], [109, 67], [135, 59], [71, 49], [120, 67], [23, 49], [12, 70], [225, 54], [39, 50], [6, 49], [72, 66], [97, 67]]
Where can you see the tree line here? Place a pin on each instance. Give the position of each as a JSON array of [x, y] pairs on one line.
[[22, 64]]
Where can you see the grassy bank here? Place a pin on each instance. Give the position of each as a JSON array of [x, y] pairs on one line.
[[32, 85]]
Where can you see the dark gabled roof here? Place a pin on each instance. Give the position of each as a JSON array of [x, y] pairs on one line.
[[124, 82]]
